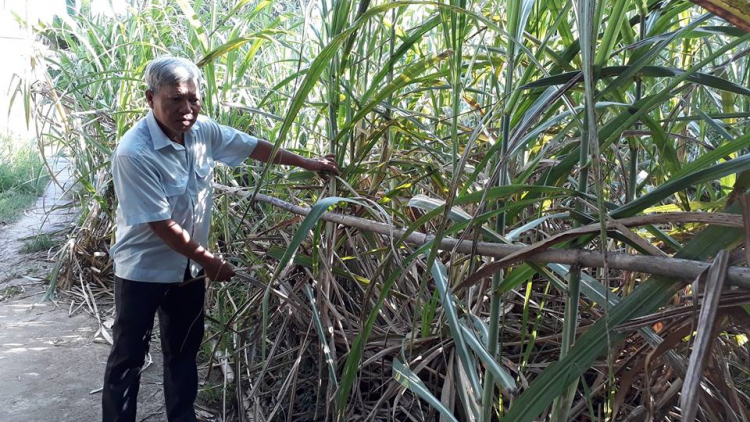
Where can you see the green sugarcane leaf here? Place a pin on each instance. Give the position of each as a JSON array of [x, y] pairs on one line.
[[408, 43], [234, 44], [318, 323], [502, 377], [308, 224], [614, 25], [710, 158], [440, 276], [646, 72], [195, 23], [406, 78], [410, 380], [676, 184]]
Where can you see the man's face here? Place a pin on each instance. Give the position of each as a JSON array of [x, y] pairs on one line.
[[175, 107]]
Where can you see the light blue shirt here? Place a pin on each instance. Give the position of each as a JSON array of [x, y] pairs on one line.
[[156, 179]]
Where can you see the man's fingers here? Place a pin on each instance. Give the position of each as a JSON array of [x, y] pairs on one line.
[[328, 163], [332, 167], [223, 271]]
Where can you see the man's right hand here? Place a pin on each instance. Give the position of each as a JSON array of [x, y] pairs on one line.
[[218, 270], [179, 240]]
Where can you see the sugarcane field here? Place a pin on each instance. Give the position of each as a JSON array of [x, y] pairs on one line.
[[375, 210]]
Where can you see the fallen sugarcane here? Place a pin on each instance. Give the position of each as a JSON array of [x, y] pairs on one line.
[[656, 265]]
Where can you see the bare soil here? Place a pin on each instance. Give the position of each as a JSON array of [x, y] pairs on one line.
[[52, 363]]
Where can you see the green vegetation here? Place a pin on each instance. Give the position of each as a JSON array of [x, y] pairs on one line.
[[38, 243], [22, 177], [9, 292], [496, 121]]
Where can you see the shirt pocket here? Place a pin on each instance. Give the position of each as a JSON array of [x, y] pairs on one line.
[[175, 188], [174, 191], [203, 170], [174, 180]]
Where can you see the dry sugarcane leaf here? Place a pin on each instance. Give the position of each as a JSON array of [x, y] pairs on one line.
[[703, 340], [447, 394], [733, 393], [728, 302], [465, 392], [627, 379], [667, 400], [633, 237], [670, 267], [736, 12], [105, 333], [745, 205], [740, 318], [719, 379], [670, 342], [639, 413], [281, 225]]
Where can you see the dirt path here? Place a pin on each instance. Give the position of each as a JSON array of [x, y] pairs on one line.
[[52, 364], [50, 361]]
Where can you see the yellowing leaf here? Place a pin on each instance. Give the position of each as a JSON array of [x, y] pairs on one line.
[[736, 12]]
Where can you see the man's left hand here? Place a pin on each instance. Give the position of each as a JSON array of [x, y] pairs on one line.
[[326, 163]]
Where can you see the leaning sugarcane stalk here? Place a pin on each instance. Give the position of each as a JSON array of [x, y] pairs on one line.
[[656, 265]]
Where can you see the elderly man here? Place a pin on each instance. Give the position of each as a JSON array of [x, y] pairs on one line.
[[162, 171]]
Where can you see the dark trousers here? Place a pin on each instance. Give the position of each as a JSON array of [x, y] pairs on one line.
[[181, 325]]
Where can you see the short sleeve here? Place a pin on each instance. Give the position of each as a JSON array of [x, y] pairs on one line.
[[231, 146], [139, 192]]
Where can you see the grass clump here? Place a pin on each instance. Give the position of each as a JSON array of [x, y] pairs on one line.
[[10, 292], [42, 242], [21, 179]]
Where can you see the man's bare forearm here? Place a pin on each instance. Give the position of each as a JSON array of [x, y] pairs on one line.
[[179, 240], [262, 152]]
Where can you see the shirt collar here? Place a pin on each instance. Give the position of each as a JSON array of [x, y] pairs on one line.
[[158, 137]]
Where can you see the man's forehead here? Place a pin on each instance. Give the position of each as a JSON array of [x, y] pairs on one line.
[[181, 88]]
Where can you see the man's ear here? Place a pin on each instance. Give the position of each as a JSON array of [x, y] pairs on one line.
[[150, 98]]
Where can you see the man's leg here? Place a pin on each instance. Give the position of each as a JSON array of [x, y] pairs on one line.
[[181, 325], [135, 306]]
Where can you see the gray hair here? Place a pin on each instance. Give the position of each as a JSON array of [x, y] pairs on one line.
[[169, 70]]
